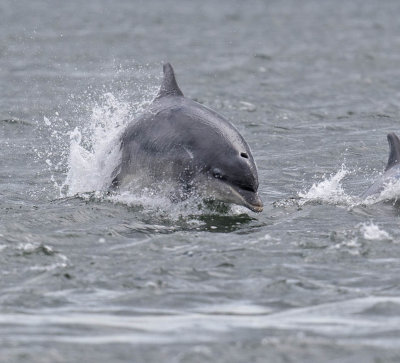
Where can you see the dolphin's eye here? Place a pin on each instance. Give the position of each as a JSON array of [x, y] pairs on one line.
[[217, 173], [244, 155]]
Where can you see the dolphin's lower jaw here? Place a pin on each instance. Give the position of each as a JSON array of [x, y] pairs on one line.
[[247, 198], [225, 192]]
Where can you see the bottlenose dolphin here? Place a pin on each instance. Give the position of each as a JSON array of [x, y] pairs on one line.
[[392, 170], [182, 144]]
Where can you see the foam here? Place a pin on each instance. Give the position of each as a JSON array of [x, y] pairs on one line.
[[92, 161], [371, 231], [330, 190]]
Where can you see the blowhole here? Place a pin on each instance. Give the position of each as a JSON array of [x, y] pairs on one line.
[[244, 155]]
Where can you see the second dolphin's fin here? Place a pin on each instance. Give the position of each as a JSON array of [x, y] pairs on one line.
[[394, 153]]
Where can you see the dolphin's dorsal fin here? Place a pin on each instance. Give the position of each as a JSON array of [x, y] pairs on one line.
[[169, 87], [394, 153]]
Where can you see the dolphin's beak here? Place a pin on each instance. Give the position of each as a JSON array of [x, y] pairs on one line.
[[246, 198], [250, 199], [257, 206], [226, 192]]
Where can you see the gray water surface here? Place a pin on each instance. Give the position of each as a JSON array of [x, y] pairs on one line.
[[313, 86]]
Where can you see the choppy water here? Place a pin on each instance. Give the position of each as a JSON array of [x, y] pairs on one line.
[[313, 86]]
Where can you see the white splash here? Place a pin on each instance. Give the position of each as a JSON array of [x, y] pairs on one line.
[[139, 198], [158, 204], [351, 246], [46, 121], [330, 190], [371, 231], [390, 192], [93, 157]]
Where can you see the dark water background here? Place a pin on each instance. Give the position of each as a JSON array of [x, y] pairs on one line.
[[313, 86]]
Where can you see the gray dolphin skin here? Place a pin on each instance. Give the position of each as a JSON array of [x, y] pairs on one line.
[[180, 143], [392, 170]]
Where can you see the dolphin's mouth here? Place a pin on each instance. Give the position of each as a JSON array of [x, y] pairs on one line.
[[230, 193], [248, 198]]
